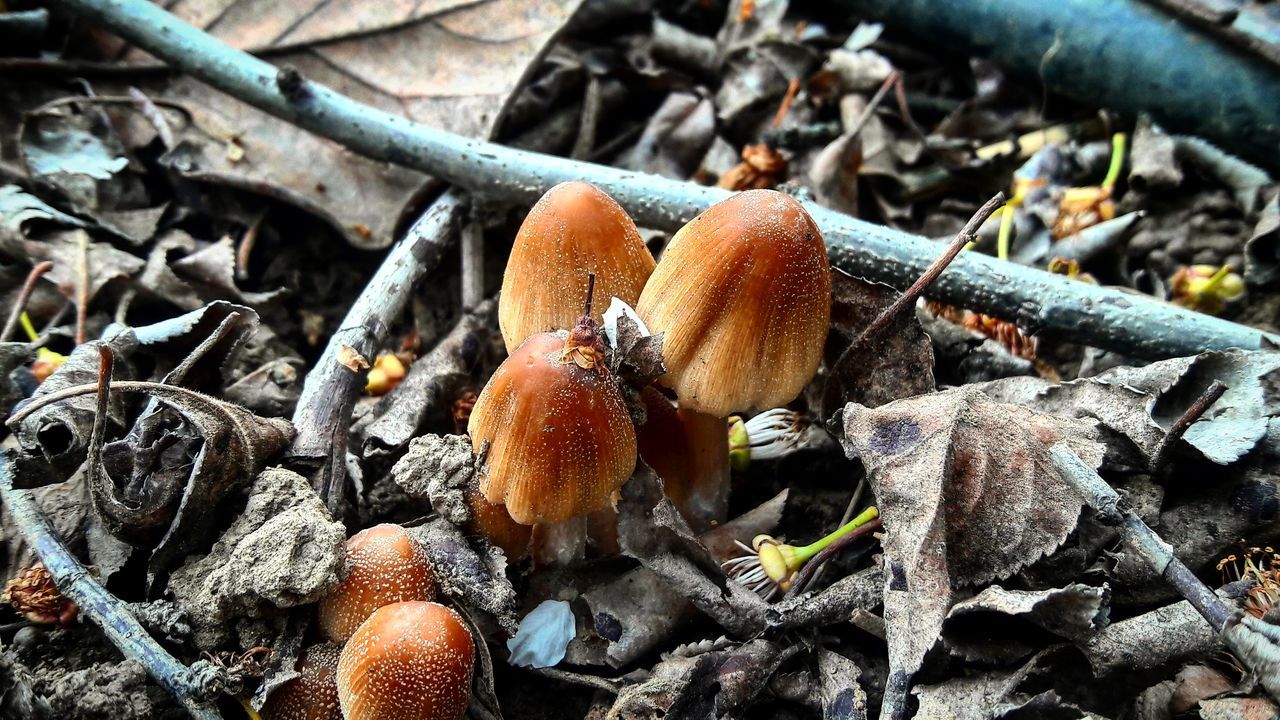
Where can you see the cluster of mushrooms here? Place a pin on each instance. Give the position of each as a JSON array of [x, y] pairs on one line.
[[741, 300]]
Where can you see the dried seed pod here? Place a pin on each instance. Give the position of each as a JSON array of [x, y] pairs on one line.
[[383, 565], [493, 523], [743, 295], [575, 229], [559, 438], [313, 695], [409, 661], [689, 452]]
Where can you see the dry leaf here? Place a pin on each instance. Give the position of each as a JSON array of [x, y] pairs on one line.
[[895, 363], [968, 494]]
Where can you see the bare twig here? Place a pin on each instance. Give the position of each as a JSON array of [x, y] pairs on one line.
[[100, 606], [331, 388], [82, 288], [913, 293], [874, 102], [1160, 461], [1090, 314], [20, 302], [472, 265]]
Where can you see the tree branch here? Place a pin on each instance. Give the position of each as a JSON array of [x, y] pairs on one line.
[[1040, 301], [324, 408], [100, 606]]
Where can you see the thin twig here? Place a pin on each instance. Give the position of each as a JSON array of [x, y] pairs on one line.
[[1211, 395], [82, 288], [20, 302], [100, 606], [472, 265], [873, 103], [1090, 314], [246, 247], [913, 293], [330, 390]]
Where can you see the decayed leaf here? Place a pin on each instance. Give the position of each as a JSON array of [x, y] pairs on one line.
[[444, 63], [21, 212], [1000, 624], [475, 578], [69, 250], [895, 363], [968, 494]]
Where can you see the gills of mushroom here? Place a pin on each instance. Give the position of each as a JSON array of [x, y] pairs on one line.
[[383, 565], [574, 230], [743, 296], [409, 661]]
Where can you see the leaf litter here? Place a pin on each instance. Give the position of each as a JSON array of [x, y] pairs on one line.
[[213, 248]]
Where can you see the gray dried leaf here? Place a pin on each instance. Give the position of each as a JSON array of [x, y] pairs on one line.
[[676, 137], [992, 694], [895, 363], [842, 695], [272, 390], [1006, 625], [651, 530], [968, 493], [13, 355], [475, 578], [281, 552], [834, 174], [1262, 249], [431, 382], [21, 212], [1235, 424], [702, 687], [69, 249], [211, 270], [78, 153], [637, 355]]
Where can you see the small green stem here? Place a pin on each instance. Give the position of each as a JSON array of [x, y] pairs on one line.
[[1118, 143], [1006, 231], [802, 554], [1216, 279]]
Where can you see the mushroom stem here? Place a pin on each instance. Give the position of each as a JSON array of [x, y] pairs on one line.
[[559, 543]]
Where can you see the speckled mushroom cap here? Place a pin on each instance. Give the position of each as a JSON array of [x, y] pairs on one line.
[[574, 230], [560, 438], [409, 661], [313, 695], [383, 565], [743, 295]]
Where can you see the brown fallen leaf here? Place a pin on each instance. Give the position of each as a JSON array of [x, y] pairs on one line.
[[444, 63], [968, 494]]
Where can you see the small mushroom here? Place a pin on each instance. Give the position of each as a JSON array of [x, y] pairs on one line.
[[383, 565], [743, 295], [493, 523], [574, 230], [313, 695], [409, 661], [553, 429]]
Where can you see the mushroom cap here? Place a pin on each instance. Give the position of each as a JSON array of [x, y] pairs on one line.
[[313, 695], [409, 661], [560, 438], [574, 230], [690, 452], [383, 565], [743, 295], [494, 523]]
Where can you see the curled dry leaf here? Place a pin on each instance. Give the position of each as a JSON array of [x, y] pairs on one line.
[[968, 494], [896, 362], [476, 579], [1000, 624]]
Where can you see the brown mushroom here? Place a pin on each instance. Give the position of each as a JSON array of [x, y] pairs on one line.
[[553, 429], [743, 295], [409, 661], [383, 565], [493, 523], [575, 229], [313, 695]]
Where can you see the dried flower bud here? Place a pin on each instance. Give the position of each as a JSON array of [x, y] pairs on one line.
[[383, 565], [743, 295], [575, 229], [313, 695], [385, 375], [408, 661], [559, 438], [34, 595]]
